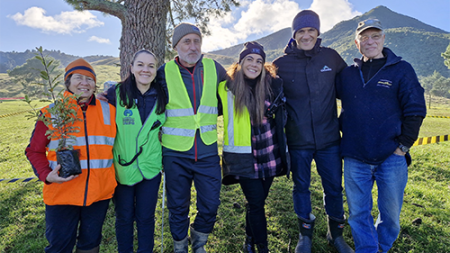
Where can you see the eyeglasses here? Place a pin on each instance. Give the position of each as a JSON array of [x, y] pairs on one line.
[[80, 78], [375, 37]]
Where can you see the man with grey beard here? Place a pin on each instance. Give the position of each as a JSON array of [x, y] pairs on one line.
[[189, 138]]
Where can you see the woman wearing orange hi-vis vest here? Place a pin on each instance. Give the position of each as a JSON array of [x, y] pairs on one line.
[[75, 206]]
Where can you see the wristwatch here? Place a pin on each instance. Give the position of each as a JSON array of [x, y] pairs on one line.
[[403, 148]]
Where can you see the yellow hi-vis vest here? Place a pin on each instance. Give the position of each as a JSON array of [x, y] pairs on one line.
[[237, 128], [178, 132]]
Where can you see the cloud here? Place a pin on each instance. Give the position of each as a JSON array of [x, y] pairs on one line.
[[253, 18], [335, 11], [67, 22], [99, 40], [256, 19]]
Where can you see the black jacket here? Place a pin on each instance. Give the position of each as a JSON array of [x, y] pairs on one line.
[[309, 86]]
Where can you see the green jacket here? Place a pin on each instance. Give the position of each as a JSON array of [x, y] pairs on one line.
[[137, 149]]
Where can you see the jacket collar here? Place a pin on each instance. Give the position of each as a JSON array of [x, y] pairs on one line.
[[91, 99], [291, 48], [392, 58]]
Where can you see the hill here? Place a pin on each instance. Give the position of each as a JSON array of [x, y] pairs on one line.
[[9, 60], [418, 43]]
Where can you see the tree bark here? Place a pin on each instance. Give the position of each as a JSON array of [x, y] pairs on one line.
[[143, 27]]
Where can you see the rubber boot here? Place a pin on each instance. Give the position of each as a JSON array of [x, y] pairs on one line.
[[306, 233], [249, 246], [198, 241], [181, 246], [94, 250], [334, 235], [262, 248]]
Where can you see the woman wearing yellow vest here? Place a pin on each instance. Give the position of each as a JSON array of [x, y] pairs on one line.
[[140, 103], [75, 207], [254, 147]]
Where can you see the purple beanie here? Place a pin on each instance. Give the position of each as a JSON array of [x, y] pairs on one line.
[[305, 18], [252, 47]]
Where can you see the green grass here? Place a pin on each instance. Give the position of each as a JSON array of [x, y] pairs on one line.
[[22, 224]]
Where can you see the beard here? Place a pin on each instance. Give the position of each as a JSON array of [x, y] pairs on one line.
[[191, 58]]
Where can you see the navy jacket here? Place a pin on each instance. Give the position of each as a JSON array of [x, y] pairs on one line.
[[194, 87], [309, 86], [372, 113]]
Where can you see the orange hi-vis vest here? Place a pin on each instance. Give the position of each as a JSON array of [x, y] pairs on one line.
[[95, 141]]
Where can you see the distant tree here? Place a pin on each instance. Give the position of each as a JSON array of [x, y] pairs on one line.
[[29, 76], [436, 85], [144, 22], [446, 56]]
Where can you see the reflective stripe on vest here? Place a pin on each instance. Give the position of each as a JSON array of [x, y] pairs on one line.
[[105, 110], [234, 143], [97, 179], [94, 164], [81, 141], [182, 123]]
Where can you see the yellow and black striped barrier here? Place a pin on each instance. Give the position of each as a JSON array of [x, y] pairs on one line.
[[18, 180], [12, 114], [430, 140], [441, 117]]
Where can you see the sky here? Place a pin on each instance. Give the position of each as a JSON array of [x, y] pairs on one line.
[[55, 25]]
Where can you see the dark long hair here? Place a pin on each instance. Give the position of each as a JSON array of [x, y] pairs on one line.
[[128, 89], [244, 97]]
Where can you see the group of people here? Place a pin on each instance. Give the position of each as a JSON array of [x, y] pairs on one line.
[[278, 117]]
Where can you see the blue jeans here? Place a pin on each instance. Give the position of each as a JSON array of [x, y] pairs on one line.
[[391, 177], [136, 202], [329, 167], [256, 191], [206, 175], [62, 223]]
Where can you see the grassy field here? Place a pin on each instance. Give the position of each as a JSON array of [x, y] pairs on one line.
[[427, 194]]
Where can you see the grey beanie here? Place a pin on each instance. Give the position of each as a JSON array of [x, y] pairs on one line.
[[182, 30], [305, 18]]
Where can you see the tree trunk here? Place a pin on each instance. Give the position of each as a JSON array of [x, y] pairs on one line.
[[143, 27]]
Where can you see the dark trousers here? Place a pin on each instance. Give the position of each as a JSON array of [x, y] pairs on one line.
[[136, 203], [256, 191], [206, 175], [63, 221], [329, 167]]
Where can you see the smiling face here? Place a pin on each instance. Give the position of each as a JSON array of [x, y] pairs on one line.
[[306, 38], [252, 65], [144, 69], [370, 43], [189, 49], [81, 84]]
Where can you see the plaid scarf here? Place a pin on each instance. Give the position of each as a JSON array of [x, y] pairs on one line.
[[265, 148]]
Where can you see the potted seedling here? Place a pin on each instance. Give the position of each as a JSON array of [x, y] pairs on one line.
[[60, 117]]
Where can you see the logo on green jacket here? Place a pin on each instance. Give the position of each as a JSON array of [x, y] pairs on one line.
[[128, 120]]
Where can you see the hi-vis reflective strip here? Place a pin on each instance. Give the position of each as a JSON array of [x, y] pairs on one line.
[[19, 180], [178, 131], [429, 140], [231, 147], [204, 129], [179, 112], [94, 164], [442, 117], [81, 141], [207, 109]]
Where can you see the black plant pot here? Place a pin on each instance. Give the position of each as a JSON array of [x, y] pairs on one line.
[[69, 161]]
